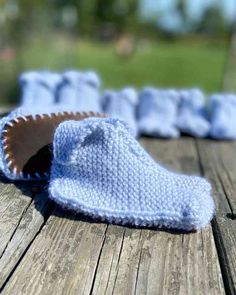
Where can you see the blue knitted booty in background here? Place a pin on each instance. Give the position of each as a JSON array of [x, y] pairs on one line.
[[38, 89], [223, 116], [80, 90], [157, 113], [122, 105], [101, 170], [191, 118]]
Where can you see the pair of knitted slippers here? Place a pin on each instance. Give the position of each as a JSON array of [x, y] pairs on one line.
[[98, 168], [79, 90], [154, 112], [159, 112], [169, 112]]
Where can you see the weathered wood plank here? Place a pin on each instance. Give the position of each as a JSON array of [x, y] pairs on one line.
[[62, 259], [15, 199], [145, 261], [179, 264], [26, 229], [73, 256], [219, 165], [109, 260], [13, 205]]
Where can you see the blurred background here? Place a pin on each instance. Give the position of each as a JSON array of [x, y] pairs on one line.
[[164, 43]]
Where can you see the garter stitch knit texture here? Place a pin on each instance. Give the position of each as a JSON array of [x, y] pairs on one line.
[[101, 170]]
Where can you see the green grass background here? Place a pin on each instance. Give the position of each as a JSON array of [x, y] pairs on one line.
[[161, 64]]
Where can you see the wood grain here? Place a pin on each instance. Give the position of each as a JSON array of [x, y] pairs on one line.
[[218, 161], [62, 259], [158, 262], [25, 231], [74, 255], [13, 205], [21, 216]]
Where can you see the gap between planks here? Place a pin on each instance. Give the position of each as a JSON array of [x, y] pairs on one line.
[[219, 166]]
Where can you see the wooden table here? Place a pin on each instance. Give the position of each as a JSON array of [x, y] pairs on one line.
[[45, 250]]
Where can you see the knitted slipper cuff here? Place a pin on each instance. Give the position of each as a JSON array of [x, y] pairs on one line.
[[26, 140]]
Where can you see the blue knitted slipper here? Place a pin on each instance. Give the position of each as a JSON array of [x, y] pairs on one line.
[[157, 113], [80, 90], [192, 117], [38, 89], [25, 146], [223, 116], [122, 105], [101, 170]]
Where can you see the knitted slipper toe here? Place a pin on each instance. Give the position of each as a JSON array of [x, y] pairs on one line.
[[101, 170], [26, 143]]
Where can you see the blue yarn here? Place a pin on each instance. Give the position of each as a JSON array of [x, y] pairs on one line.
[[3, 160], [80, 90], [122, 105], [192, 117], [157, 112], [101, 170], [38, 88], [223, 116], [22, 112]]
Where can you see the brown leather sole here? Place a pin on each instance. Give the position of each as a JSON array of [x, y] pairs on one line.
[[28, 142]]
